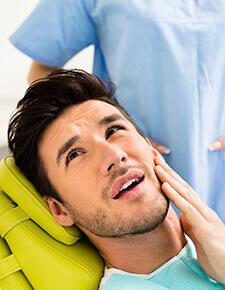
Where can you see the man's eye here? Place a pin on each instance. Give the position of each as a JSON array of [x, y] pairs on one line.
[[73, 154], [113, 130]]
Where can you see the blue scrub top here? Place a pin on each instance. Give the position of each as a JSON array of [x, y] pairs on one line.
[[167, 59]]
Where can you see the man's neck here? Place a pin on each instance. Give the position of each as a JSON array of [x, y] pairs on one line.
[[142, 254]]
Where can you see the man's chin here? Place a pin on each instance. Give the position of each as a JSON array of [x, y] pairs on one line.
[[141, 224], [151, 223]]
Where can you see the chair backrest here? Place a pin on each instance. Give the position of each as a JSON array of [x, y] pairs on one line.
[[42, 254]]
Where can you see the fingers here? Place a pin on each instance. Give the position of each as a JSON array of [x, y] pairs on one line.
[[219, 144], [180, 193], [160, 161], [190, 212], [161, 148], [177, 183]]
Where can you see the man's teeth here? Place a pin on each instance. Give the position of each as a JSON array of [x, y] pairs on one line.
[[128, 183]]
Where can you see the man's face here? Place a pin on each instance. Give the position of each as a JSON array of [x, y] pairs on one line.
[[103, 170]]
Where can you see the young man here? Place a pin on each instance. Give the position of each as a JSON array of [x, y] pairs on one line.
[[98, 171], [167, 59]]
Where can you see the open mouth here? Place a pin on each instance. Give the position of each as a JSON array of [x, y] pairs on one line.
[[129, 185]]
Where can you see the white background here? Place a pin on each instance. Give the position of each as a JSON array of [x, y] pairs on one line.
[[15, 65]]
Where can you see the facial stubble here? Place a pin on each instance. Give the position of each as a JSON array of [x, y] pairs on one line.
[[116, 225]]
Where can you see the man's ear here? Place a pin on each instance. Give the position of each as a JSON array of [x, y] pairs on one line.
[[59, 212]]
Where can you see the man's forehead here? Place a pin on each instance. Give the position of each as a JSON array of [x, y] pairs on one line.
[[93, 110], [84, 115]]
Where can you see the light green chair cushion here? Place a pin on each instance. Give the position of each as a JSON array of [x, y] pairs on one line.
[[42, 253]]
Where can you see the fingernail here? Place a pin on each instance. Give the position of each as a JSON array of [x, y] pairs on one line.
[[160, 159], [166, 184], [215, 145], [163, 149], [167, 151], [159, 168]]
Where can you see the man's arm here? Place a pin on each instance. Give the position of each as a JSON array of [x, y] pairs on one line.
[[38, 70], [199, 222]]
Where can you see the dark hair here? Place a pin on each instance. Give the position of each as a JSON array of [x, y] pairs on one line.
[[42, 103]]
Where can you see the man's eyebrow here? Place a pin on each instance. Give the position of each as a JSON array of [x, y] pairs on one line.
[[111, 118], [66, 146]]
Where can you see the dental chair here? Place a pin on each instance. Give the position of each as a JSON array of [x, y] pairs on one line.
[[36, 252]]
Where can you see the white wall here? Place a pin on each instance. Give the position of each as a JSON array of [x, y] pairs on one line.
[[15, 65]]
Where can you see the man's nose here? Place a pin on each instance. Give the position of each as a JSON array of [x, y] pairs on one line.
[[112, 157]]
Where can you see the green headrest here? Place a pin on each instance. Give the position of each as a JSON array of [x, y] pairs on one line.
[[32, 202], [36, 252]]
